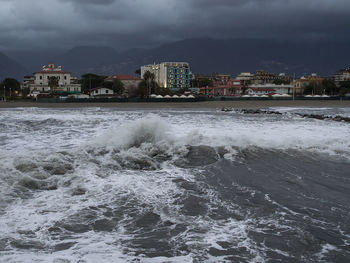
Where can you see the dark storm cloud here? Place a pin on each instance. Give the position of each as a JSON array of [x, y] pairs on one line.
[[135, 23], [86, 2]]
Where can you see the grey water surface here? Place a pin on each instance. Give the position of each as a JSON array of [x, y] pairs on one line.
[[105, 185]]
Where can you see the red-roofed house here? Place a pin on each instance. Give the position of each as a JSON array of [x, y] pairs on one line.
[[130, 82], [230, 88]]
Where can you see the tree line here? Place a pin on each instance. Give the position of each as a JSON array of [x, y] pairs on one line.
[[10, 87], [329, 87]]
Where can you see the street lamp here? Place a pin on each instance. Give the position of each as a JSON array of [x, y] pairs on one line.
[[4, 93]]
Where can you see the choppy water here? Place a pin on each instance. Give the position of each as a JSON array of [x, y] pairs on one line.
[[103, 185]]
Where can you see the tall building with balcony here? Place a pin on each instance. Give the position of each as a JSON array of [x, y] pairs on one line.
[[245, 76], [171, 75], [342, 75], [263, 77], [221, 78], [43, 81]]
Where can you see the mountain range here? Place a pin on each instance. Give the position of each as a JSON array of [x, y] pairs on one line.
[[205, 55], [9, 68]]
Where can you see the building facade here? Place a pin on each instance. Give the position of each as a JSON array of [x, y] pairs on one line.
[[303, 82], [130, 83], [342, 75], [260, 91], [264, 77], [53, 79], [245, 76], [274, 88], [171, 75], [222, 78], [230, 88], [101, 92]]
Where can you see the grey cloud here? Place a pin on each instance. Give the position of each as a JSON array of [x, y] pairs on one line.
[[86, 2], [138, 23]]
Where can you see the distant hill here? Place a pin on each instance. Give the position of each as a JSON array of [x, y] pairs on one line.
[[207, 55], [233, 56], [88, 59], [9, 68]]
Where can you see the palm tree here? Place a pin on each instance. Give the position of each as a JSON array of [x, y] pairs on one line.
[[53, 83], [244, 88], [149, 79]]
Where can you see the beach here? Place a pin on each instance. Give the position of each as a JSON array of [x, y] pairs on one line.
[[185, 105]]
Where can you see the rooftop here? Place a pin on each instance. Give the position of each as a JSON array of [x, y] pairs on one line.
[[123, 77]]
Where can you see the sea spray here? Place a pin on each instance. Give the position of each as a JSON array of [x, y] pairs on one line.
[[108, 185]]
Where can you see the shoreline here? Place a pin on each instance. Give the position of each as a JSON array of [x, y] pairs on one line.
[[183, 105]]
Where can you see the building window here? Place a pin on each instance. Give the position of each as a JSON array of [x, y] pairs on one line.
[[106, 91], [65, 77], [96, 91], [41, 77]]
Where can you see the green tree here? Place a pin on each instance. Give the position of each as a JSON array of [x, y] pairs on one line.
[[314, 88], [10, 86], [308, 89], [142, 89], [151, 84], [91, 81], [138, 72], [118, 87], [244, 88], [164, 91], [53, 83], [182, 90], [344, 87], [330, 87], [107, 85], [345, 84]]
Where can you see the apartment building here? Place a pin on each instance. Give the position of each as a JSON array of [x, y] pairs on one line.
[[171, 75]]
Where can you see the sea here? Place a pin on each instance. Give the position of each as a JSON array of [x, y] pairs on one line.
[[171, 185]]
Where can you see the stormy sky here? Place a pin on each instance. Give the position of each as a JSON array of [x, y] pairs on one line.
[[123, 24]]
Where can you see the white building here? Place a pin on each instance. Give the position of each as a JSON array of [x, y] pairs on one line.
[[246, 76], [172, 75], [342, 75], [280, 89], [260, 91], [102, 92], [65, 83]]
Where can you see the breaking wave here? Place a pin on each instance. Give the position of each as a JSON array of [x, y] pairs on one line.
[[206, 187]]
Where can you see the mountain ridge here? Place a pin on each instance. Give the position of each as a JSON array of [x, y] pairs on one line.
[[10, 68], [207, 55]]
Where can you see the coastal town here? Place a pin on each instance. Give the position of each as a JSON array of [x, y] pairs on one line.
[[173, 80]]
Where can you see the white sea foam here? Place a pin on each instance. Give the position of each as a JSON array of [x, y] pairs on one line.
[[59, 163], [345, 112]]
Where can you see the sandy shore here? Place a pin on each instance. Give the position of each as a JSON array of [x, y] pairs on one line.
[[185, 105]]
